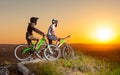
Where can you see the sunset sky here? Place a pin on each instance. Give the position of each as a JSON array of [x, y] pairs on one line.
[[87, 21]]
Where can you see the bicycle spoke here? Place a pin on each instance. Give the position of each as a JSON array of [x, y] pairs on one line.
[[20, 55], [52, 53], [68, 53]]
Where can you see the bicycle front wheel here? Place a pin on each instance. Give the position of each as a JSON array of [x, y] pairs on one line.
[[68, 53], [52, 52], [18, 52]]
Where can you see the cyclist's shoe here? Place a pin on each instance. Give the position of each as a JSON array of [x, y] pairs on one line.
[[59, 39]]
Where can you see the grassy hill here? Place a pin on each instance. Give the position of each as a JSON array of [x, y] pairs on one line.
[[89, 60], [81, 65]]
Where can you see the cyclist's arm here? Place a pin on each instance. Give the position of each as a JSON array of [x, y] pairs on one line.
[[37, 30]]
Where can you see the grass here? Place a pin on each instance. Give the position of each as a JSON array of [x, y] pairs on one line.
[[83, 65], [87, 63], [46, 68], [5, 63]]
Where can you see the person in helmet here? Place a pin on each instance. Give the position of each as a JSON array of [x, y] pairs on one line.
[[51, 31], [31, 27]]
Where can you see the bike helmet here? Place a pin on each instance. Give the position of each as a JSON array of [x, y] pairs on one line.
[[54, 21], [33, 19]]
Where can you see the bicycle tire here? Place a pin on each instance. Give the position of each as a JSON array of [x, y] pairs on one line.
[[18, 52], [56, 53], [68, 52]]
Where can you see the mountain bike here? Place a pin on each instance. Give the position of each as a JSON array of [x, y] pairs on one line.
[[67, 51], [24, 52]]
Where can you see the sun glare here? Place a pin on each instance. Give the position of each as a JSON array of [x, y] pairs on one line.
[[104, 34]]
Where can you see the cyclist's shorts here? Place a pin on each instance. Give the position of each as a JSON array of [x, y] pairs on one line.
[[52, 37], [31, 37]]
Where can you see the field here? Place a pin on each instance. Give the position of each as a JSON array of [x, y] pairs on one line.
[[90, 59], [6, 53], [104, 51]]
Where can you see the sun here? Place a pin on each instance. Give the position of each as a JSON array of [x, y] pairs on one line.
[[104, 34]]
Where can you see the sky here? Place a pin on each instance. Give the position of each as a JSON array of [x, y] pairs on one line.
[[81, 19]]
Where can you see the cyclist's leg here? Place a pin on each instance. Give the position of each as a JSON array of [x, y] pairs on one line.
[[37, 43], [35, 39], [55, 39], [58, 41], [29, 42], [49, 39]]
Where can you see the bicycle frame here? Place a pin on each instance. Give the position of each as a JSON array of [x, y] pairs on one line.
[[39, 45], [62, 41]]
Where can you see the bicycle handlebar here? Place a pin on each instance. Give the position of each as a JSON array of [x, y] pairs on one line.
[[44, 35], [66, 37]]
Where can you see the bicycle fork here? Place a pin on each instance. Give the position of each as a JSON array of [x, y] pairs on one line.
[[50, 49]]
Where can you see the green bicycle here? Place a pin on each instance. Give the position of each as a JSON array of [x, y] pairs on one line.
[[67, 51], [23, 52]]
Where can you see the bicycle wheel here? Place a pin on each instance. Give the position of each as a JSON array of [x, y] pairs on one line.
[[18, 52], [52, 52], [68, 53]]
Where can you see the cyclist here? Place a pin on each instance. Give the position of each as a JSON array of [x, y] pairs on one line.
[[29, 34], [51, 31]]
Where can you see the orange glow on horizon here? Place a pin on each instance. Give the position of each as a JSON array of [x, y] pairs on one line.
[[87, 21]]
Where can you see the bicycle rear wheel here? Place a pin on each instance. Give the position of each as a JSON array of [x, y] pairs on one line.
[[68, 53], [18, 52], [52, 52]]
